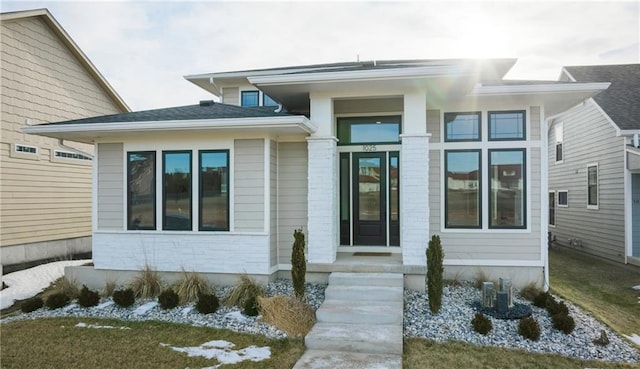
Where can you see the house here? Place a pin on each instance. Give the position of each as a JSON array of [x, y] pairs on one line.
[[594, 166], [358, 154], [45, 183]]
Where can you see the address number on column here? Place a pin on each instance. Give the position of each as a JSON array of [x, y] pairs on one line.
[[369, 148]]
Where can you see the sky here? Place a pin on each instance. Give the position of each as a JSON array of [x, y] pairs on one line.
[[144, 48]]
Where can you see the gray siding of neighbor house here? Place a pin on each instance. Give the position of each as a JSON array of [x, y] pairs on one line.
[[273, 199], [589, 138], [249, 185], [231, 95], [110, 186], [292, 195], [496, 244]]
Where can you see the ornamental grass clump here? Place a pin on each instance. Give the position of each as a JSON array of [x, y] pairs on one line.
[[207, 303], [481, 324], [435, 272], [57, 300], [288, 314], [88, 297], [190, 286], [147, 284], [530, 291], [124, 298], [31, 304], [298, 263], [168, 299], [529, 328], [244, 290]]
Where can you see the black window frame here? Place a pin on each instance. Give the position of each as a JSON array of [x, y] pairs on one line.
[[565, 203], [497, 112], [524, 188], [247, 92], [446, 130], [164, 189], [446, 189], [350, 121], [155, 191], [591, 205], [201, 228]]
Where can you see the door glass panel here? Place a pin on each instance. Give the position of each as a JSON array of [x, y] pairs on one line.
[[369, 188], [393, 187], [344, 186]]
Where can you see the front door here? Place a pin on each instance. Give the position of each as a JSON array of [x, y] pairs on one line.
[[369, 199]]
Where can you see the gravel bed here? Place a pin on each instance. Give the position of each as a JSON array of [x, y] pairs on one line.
[[453, 322]]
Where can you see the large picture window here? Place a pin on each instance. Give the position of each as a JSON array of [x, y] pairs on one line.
[[214, 190], [369, 130], [141, 190], [507, 188], [506, 125], [462, 126], [177, 191], [462, 189]]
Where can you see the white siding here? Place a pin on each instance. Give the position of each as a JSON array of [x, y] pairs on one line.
[[110, 186], [249, 176], [433, 125], [231, 95], [589, 138]]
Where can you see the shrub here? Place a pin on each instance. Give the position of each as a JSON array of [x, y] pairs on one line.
[[124, 298], [530, 291], [435, 271], [564, 323], [554, 307], [147, 284], [31, 304], [191, 286], [289, 314], [250, 307], [529, 328], [168, 299], [207, 303], [88, 297], [298, 263], [57, 300], [481, 324], [66, 286], [541, 299], [243, 290]]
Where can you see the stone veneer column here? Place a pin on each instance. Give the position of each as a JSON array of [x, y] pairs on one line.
[[414, 197], [322, 204]]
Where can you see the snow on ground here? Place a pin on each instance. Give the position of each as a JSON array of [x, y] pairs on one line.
[[27, 283], [223, 352], [634, 338], [143, 309], [236, 315], [96, 326]]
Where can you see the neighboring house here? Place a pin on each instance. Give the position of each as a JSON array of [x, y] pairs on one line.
[[360, 155], [594, 166], [45, 184]]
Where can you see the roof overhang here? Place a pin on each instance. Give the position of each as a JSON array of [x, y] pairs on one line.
[[90, 132], [555, 97]]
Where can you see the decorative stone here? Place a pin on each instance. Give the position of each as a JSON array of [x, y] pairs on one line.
[[507, 286], [487, 294], [502, 302]]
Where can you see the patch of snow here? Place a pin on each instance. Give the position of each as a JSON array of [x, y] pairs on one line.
[[144, 308], [634, 338], [27, 283], [236, 315], [224, 353], [187, 310], [104, 305], [96, 326], [637, 288], [70, 307]]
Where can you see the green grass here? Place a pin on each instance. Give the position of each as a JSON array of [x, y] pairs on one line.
[[601, 287], [424, 354], [57, 343]]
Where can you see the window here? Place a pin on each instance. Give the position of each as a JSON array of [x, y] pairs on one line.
[[462, 189], [71, 155], [371, 130], [141, 189], [592, 186], [552, 208], [214, 190], [176, 173], [506, 125], [563, 198], [559, 130], [25, 149], [462, 126], [249, 98], [507, 192], [268, 101]]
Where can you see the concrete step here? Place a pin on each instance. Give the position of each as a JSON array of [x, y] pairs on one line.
[[364, 338], [314, 359], [366, 279], [364, 293], [357, 312]]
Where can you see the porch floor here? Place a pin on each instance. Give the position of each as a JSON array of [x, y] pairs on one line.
[[351, 262]]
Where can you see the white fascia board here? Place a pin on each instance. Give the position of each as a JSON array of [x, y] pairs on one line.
[[481, 90], [246, 74], [628, 132], [229, 123], [342, 76]]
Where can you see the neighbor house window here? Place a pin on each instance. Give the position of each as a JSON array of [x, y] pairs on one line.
[[214, 190], [70, 155], [552, 208], [24, 149], [249, 99], [462, 126], [462, 189], [141, 190], [559, 131], [563, 198], [176, 172], [506, 125], [268, 101], [592, 186], [507, 188], [369, 130]]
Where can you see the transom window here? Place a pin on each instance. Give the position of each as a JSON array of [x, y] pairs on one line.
[[462, 126], [370, 130], [268, 101], [506, 125]]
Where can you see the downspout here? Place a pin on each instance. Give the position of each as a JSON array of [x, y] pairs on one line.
[[635, 140], [73, 149]]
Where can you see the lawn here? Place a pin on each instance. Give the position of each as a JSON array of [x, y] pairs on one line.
[[58, 343], [600, 287]]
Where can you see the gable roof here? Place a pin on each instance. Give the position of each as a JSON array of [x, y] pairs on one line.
[[57, 30], [621, 100]]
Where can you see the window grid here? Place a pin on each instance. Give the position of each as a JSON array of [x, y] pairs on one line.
[[507, 125]]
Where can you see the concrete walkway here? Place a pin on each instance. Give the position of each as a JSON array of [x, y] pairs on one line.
[[359, 324]]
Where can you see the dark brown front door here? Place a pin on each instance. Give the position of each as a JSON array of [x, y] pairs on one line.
[[369, 199]]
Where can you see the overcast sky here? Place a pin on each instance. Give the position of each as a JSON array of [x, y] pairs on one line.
[[145, 48]]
